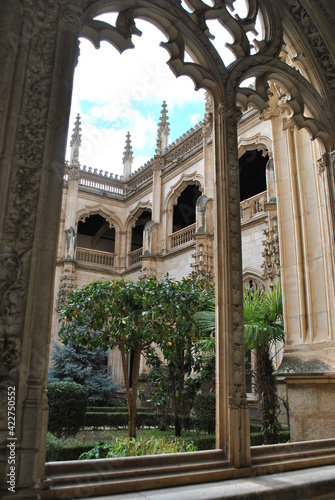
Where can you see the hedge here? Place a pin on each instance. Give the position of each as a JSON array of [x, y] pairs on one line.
[[120, 419], [67, 408], [59, 450]]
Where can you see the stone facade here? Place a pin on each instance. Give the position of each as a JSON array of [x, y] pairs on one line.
[[38, 54]]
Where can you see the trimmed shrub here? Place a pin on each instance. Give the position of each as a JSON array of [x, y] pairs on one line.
[[106, 419], [204, 442], [67, 408], [60, 451], [204, 412], [120, 419]]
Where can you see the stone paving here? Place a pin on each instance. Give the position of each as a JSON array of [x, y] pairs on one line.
[[309, 484]]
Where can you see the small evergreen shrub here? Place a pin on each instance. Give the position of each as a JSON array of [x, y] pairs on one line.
[[204, 412], [73, 363], [67, 408]]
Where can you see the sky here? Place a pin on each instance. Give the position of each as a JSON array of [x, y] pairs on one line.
[[116, 93]]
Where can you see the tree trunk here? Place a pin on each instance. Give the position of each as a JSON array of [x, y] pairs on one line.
[[126, 378], [134, 386], [265, 386], [177, 425]]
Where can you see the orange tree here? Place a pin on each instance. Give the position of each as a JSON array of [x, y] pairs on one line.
[[179, 339], [120, 313]]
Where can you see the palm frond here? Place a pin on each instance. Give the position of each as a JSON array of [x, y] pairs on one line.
[[206, 319]]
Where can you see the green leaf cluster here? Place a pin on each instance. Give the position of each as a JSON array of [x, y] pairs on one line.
[[131, 447], [263, 318]]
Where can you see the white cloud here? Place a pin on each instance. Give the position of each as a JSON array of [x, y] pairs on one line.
[[107, 83], [195, 118]]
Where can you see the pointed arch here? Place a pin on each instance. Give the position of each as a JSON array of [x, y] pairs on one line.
[[177, 188], [112, 219], [257, 141]]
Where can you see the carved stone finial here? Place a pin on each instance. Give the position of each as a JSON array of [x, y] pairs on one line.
[[75, 145], [163, 131], [76, 135], [127, 158]]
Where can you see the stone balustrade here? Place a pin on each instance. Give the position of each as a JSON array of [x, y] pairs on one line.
[[182, 237], [143, 174], [184, 144], [253, 206], [95, 257], [135, 257]]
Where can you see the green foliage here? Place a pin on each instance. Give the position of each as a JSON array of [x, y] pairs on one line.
[[156, 388], [263, 327], [120, 419], [263, 318], [73, 363], [114, 313], [204, 412], [120, 313], [131, 316], [179, 343], [60, 449], [131, 447], [67, 408]]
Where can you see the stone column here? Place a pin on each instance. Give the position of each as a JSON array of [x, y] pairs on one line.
[[297, 236], [232, 425], [39, 49]]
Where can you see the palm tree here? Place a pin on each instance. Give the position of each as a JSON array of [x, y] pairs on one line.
[[263, 330]]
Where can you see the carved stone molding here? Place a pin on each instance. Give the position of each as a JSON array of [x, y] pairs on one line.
[[271, 264], [316, 42], [68, 282], [323, 163], [10, 354], [234, 113], [74, 172]]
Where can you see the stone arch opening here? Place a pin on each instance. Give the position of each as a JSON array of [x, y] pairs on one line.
[[184, 211], [252, 173], [96, 233], [137, 230]]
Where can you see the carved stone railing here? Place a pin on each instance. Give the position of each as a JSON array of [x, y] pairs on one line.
[[184, 144], [182, 237], [253, 206], [95, 257], [142, 175], [135, 257], [100, 180]]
